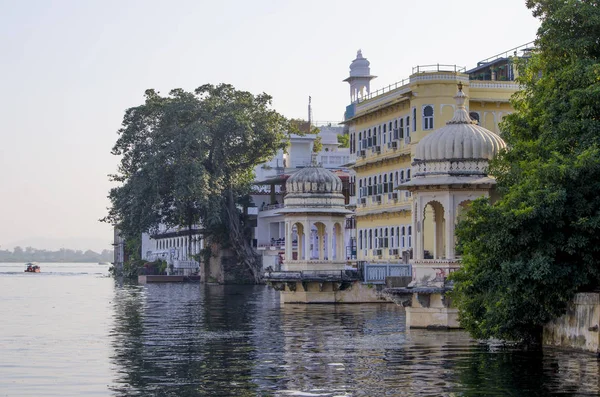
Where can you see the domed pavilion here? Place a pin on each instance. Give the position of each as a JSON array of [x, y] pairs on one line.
[[449, 171], [314, 221]]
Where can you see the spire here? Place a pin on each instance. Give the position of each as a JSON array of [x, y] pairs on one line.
[[461, 116]]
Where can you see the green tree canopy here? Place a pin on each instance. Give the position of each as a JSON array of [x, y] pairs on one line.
[[188, 158], [526, 255]]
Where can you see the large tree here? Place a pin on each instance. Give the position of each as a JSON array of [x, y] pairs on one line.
[[188, 158], [525, 256]]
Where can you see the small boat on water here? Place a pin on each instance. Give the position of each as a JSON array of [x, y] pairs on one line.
[[32, 267]]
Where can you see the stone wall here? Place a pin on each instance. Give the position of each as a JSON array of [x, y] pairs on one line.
[[223, 268], [331, 292], [578, 328]]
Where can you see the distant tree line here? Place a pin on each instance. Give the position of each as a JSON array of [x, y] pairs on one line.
[[30, 254]]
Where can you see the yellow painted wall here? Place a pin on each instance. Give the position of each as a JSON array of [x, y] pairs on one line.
[[489, 100]]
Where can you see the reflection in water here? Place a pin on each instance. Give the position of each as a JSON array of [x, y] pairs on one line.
[[196, 340]]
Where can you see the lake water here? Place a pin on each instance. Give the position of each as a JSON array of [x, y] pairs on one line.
[[73, 331]]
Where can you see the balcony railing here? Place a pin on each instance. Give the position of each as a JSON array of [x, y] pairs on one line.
[[376, 273], [269, 207]]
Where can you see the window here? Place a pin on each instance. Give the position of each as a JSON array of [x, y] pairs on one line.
[[370, 239], [403, 235], [401, 128], [385, 184], [408, 174], [392, 239], [376, 239], [360, 141], [370, 190], [428, 117], [360, 240], [407, 126], [474, 116], [414, 119], [409, 236]]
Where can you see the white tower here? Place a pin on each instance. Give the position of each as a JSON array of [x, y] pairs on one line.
[[360, 77]]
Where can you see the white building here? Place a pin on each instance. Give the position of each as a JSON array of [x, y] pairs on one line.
[[176, 246]]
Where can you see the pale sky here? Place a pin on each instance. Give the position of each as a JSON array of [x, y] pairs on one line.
[[70, 68]]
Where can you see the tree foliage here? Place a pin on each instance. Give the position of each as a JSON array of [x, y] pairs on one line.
[[344, 140], [526, 255], [188, 158]]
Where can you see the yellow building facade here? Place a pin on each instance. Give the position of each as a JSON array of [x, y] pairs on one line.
[[384, 128]]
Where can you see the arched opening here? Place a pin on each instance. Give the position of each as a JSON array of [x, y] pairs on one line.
[[434, 242], [297, 241], [319, 240]]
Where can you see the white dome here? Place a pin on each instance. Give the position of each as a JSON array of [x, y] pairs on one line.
[[460, 139], [360, 66], [314, 190], [314, 180]]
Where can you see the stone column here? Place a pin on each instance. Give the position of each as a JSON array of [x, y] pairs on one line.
[[450, 227], [288, 241], [417, 229], [306, 241]]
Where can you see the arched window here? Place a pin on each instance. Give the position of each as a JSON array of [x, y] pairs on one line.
[[376, 239], [402, 175], [414, 119], [392, 239], [386, 241], [401, 128], [427, 117], [408, 174], [360, 240], [370, 188], [360, 190], [410, 237], [385, 184], [370, 239], [360, 141], [407, 126], [474, 116]]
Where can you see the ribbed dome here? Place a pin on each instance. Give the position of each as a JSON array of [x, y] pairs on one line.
[[314, 180], [460, 139], [360, 66]]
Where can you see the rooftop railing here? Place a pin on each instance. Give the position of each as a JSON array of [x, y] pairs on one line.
[[416, 69], [508, 53], [438, 68]]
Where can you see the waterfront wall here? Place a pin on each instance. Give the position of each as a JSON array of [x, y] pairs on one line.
[[223, 268], [578, 328], [328, 292]]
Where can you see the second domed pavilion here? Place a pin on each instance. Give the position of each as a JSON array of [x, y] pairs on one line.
[[449, 172]]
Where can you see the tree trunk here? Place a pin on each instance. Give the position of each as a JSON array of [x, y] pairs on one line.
[[244, 251]]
